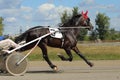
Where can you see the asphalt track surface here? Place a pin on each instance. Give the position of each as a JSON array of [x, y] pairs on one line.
[[76, 70]]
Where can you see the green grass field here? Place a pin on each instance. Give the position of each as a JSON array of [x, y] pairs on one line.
[[91, 52]]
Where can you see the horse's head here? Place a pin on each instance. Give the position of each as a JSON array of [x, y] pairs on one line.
[[83, 20]]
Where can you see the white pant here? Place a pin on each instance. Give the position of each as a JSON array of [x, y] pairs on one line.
[[8, 43]]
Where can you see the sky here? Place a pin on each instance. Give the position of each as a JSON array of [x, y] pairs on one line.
[[24, 14]]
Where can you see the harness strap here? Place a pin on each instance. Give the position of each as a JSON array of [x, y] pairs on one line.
[[62, 42]]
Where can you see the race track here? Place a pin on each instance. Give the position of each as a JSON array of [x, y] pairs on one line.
[[76, 70]]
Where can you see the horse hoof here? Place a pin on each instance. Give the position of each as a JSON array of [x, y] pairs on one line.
[[91, 64], [55, 69]]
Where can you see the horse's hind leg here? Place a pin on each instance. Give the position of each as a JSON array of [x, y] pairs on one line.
[[68, 51], [45, 56], [79, 53]]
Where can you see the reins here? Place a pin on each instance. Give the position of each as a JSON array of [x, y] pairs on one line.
[[65, 27], [77, 27]]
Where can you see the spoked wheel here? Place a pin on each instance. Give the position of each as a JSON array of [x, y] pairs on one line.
[[11, 64]]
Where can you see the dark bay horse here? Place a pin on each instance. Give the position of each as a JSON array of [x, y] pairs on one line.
[[68, 42]]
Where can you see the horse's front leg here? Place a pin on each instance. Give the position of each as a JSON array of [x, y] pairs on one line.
[[83, 57], [45, 56]]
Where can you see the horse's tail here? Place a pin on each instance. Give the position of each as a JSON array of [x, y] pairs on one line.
[[21, 37]]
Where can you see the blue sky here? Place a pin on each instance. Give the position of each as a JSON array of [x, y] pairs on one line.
[[29, 13]]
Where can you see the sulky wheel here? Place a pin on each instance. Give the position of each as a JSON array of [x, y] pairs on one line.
[[11, 64]]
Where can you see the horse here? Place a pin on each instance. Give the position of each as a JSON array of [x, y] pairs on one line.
[[70, 31]]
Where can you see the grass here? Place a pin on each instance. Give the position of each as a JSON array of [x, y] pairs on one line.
[[92, 52]]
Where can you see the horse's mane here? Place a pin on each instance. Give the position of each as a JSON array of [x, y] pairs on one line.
[[70, 22]]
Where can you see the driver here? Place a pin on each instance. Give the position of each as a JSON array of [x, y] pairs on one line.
[[8, 43]]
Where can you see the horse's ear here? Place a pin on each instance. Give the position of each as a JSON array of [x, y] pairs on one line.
[[86, 13]]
